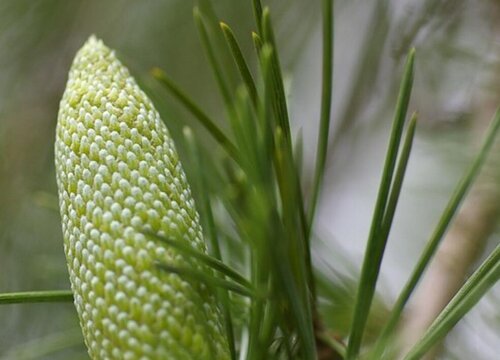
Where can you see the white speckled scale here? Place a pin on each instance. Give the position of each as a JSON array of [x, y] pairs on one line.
[[118, 174]]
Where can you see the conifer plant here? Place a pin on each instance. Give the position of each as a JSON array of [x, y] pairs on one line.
[[152, 279]]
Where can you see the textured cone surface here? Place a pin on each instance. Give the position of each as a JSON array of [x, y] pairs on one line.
[[118, 174]]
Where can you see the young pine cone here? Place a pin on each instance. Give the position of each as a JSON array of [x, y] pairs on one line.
[[119, 175]]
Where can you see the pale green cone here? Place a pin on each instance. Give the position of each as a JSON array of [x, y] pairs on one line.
[[118, 174]]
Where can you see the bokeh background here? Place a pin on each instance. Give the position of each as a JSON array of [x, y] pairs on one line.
[[457, 88]]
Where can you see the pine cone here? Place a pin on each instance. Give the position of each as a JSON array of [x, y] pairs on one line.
[[118, 175]]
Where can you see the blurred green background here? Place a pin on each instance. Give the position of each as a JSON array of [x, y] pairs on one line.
[[456, 86]]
